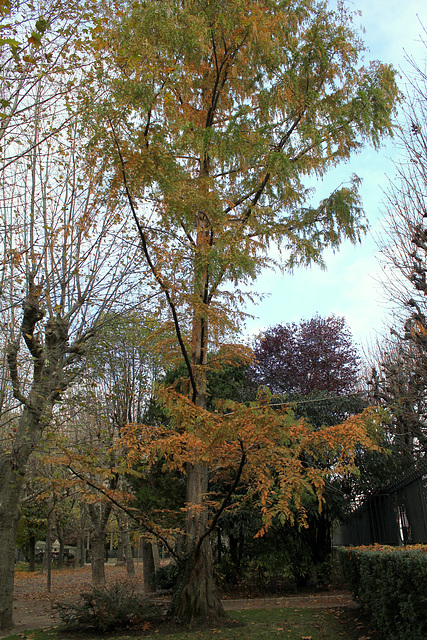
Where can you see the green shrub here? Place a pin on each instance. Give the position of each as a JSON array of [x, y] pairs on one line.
[[165, 577], [323, 574], [105, 608], [391, 583]]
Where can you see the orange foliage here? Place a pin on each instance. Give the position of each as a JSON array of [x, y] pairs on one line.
[[285, 459]]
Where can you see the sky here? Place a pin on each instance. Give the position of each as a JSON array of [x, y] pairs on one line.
[[349, 287]]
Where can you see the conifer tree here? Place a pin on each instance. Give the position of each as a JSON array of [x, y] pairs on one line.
[[214, 115]]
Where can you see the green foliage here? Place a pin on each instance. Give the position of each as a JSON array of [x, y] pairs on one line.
[[165, 577], [391, 583], [219, 122], [105, 608]]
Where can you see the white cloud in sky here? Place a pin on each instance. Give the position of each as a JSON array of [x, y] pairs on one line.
[[349, 286]]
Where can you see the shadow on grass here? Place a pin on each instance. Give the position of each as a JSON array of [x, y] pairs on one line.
[[254, 624]]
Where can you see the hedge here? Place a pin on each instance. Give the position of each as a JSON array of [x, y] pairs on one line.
[[391, 584]]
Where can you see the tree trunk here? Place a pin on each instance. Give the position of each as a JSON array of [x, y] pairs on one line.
[[10, 511], [12, 472], [32, 553], [79, 560], [99, 514], [120, 549], [148, 569], [197, 602], [60, 532], [156, 555], [130, 567], [98, 556], [196, 599]]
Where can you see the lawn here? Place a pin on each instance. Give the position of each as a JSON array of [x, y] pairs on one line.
[[253, 624]]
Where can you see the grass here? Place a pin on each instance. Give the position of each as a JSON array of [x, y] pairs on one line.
[[253, 624]]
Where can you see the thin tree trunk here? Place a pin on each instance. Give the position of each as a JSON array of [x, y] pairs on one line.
[[148, 569], [130, 567], [32, 553], [80, 558], [47, 554], [156, 555], [60, 532]]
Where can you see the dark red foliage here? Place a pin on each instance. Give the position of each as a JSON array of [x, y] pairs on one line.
[[314, 355]]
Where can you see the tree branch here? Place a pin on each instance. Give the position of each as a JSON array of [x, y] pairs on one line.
[[138, 519], [154, 270], [224, 503]]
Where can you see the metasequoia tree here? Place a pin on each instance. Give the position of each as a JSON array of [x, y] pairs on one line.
[[215, 115]]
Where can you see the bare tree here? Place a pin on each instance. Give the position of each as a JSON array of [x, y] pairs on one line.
[[397, 381], [63, 270], [399, 375], [39, 41]]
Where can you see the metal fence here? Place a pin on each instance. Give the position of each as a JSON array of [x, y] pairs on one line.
[[396, 516]]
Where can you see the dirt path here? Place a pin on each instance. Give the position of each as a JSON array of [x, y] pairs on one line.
[[33, 606]]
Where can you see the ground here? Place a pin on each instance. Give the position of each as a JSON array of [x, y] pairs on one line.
[[33, 605]]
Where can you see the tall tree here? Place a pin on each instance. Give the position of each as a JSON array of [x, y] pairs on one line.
[[315, 365], [314, 355], [37, 41], [115, 390], [399, 377], [216, 114], [61, 272]]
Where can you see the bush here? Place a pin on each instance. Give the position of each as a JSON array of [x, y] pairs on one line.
[[166, 577], [106, 608], [323, 574], [391, 583]]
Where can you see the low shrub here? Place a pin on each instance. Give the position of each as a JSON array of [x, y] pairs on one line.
[[165, 577], [391, 584], [323, 573], [106, 608]]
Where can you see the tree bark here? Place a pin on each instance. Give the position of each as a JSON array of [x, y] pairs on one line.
[[11, 480], [99, 514], [98, 556], [148, 569], [80, 558], [196, 599], [130, 567], [32, 553]]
